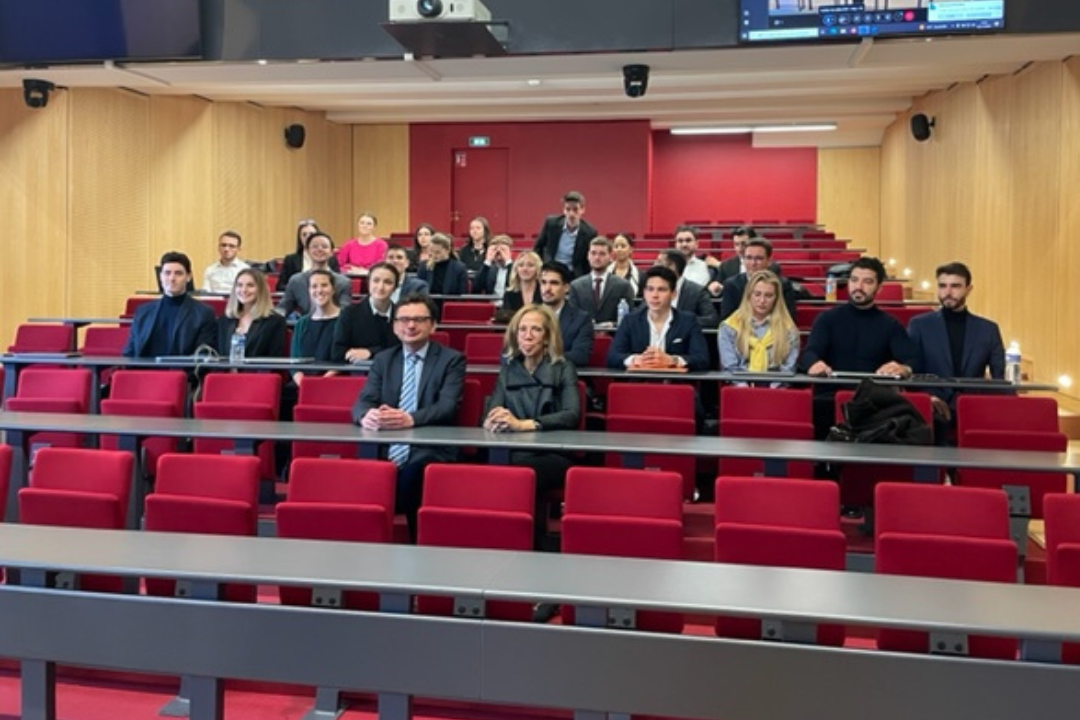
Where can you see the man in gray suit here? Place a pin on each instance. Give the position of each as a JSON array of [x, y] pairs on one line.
[[599, 292], [419, 383]]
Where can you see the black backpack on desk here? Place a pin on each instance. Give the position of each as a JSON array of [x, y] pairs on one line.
[[880, 414]]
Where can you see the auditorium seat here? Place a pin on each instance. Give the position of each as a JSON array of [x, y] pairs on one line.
[[5, 480], [134, 303], [944, 532], [778, 523], [1062, 513], [477, 506], [147, 393], [105, 340], [35, 338], [239, 396], [466, 312], [625, 513], [765, 413], [204, 494], [890, 292], [484, 349], [72, 487], [327, 400], [55, 390], [657, 409], [342, 500]]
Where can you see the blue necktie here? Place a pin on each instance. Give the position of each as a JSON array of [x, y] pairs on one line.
[[399, 454]]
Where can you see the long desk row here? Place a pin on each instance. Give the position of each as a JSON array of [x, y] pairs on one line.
[[591, 669]]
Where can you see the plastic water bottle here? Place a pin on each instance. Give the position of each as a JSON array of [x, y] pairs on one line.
[[1012, 363], [830, 288], [237, 346], [623, 311]]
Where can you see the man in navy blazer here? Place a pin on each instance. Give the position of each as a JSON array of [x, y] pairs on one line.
[[438, 393], [658, 336], [565, 238], [176, 323], [953, 342], [575, 325], [408, 284]]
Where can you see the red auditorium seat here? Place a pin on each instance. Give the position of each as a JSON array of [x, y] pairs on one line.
[[58, 390], [239, 396], [778, 523], [5, 479], [344, 500], [328, 400], [32, 338], [769, 413], [477, 506], [105, 341], [1062, 513], [134, 303], [71, 487], [944, 532], [147, 393], [204, 494], [484, 349], [625, 513], [466, 312]]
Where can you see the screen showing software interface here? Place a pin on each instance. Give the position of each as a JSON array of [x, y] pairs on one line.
[[765, 20]]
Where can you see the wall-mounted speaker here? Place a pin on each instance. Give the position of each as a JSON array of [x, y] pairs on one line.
[[294, 136], [921, 126]]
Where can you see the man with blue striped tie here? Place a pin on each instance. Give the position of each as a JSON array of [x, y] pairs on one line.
[[419, 383]]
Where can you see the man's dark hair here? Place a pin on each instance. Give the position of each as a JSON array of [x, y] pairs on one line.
[[557, 267], [871, 263], [383, 265], [318, 235], [744, 230], [687, 228], [676, 258], [954, 268], [418, 299], [234, 235], [176, 257], [573, 196], [761, 243], [664, 273], [396, 246]]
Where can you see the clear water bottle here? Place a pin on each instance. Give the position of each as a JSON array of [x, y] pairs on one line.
[[623, 311], [830, 288], [1012, 363], [237, 346]]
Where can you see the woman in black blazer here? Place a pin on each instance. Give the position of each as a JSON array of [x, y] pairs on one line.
[[443, 274], [250, 312]]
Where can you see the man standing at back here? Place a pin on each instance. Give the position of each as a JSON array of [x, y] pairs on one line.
[[176, 323], [415, 384], [599, 291], [220, 276], [565, 238]]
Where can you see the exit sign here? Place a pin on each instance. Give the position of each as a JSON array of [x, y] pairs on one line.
[[479, 141]]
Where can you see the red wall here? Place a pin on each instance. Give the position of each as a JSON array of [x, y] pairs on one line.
[[606, 161], [724, 177]]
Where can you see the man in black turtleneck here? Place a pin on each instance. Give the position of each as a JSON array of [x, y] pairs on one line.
[[176, 324], [953, 342]]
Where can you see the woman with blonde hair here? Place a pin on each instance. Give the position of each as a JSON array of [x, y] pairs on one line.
[[523, 286], [250, 312], [760, 336]]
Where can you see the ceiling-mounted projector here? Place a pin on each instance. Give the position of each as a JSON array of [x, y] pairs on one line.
[[449, 10]]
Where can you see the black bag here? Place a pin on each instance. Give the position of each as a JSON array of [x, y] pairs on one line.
[[880, 414]]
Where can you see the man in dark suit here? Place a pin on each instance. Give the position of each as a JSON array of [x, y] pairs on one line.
[[565, 238], [731, 267], [408, 284], [756, 256], [492, 278], [689, 296], [598, 292], [953, 342], [575, 325], [418, 383], [658, 335], [175, 324]]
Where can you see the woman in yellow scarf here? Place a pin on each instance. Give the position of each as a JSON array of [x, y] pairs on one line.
[[760, 336]]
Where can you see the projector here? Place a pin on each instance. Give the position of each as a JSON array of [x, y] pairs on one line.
[[438, 10]]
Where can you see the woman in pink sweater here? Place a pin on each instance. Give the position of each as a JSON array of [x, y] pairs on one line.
[[364, 250]]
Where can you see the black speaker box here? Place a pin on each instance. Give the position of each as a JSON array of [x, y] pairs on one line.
[[294, 136], [920, 127]]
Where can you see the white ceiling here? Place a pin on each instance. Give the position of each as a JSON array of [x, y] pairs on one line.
[[860, 87]]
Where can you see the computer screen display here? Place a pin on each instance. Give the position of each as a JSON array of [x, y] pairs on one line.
[[811, 20]]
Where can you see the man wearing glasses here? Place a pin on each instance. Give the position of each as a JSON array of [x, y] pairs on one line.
[[419, 383], [220, 276]]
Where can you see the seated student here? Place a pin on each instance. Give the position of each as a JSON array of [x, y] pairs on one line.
[[363, 329], [313, 334], [408, 283], [622, 250], [474, 254], [444, 274], [220, 276], [299, 261], [524, 286], [658, 336], [689, 296], [598, 292], [297, 295], [757, 255], [250, 312], [536, 390], [364, 250], [175, 324], [494, 274], [760, 336], [575, 325], [421, 240]]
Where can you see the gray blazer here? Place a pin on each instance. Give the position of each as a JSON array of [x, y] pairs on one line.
[[615, 289]]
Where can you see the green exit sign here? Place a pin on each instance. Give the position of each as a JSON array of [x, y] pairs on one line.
[[479, 141]]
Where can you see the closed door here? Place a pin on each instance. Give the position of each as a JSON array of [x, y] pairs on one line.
[[480, 187]]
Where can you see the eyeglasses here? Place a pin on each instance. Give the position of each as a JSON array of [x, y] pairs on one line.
[[418, 320]]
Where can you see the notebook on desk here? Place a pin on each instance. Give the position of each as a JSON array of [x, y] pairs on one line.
[[187, 358], [278, 360]]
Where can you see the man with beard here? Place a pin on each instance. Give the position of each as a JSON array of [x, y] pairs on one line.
[[856, 337]]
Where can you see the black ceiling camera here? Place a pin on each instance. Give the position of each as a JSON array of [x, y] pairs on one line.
[[635, 80], [429, 8], [921, 127], [36, 92]]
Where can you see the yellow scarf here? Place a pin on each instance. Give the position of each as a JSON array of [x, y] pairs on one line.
[[759, 348]]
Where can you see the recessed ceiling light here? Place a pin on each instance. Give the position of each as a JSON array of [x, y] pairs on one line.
[[263, 62], [534, 82], [746, 129]]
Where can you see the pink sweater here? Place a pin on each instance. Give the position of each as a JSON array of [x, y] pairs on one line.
[[354, 255]]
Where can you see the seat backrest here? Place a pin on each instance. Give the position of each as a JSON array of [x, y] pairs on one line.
[[472, 404], [484, 348], [56, 383], [169, 386], [355, 482], [254, 388], [650, 399], [1062, 514], [43, 338], [890, 292], [97, 471], [624, 493], [105, 341], [222, 477], [807, 504], [767, 404], [440, 336], [600, 346], [134, 303], [337, 391], [5, 477], [464, 312], [941, 510], [1006, 412], [479, 487]]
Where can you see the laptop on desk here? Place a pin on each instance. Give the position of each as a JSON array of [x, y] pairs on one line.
[[278, 360], [45, 355]]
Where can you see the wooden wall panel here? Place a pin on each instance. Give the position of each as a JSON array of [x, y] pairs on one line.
[[109, 200], [380, 171], [241, 180], [1067, 256], [849, 195], [33, 205]]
